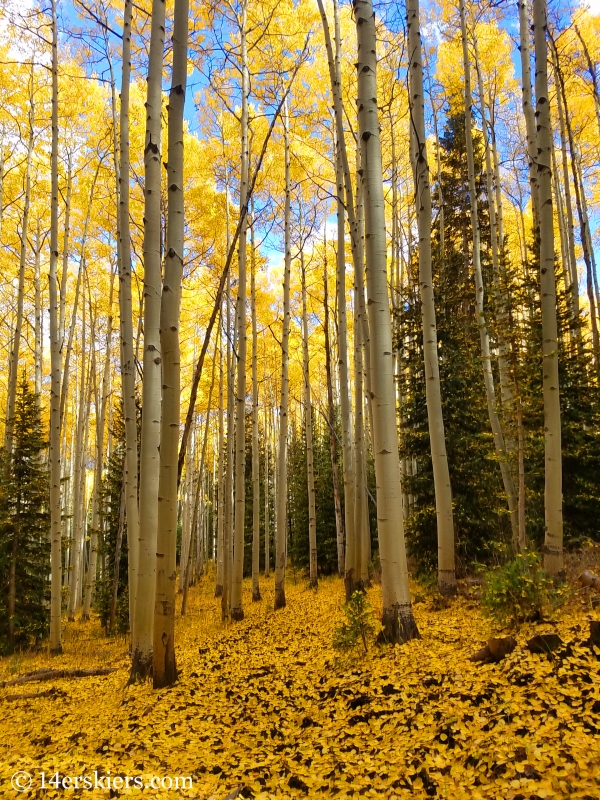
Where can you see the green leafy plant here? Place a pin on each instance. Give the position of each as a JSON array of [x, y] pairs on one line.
[[519, 590], [360, 626]]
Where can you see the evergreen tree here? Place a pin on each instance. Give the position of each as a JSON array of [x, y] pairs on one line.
[[24, 529]]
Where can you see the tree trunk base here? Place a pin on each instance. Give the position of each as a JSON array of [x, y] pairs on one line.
[[71, 618], [237, 614], [256, 595], [349, 584], [279, 596], [398, 627], [85, 617], [447, 585], [141, 667], [314, 583], [218, 591], [56, 651]]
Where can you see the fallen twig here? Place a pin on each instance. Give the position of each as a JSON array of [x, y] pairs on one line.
[[51, 674]]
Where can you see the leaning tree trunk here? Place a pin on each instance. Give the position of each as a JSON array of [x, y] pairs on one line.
[[237, 611], [165, 669], [151, 389], [437, 437], [126, 328], [281, 495], [397, 617], [255, 449], [54, 454], [484, 339], [310, 472], [553, 543]]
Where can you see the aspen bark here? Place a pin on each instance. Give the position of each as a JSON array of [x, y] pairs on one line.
[[221, 468], [441, 473], [281, 495], [255, 450], [267, 504], [397, 617], [126, 326], [553, 542], [151, 391], [38, 326], [237, 611], [165, 668], [310, 474], [65, 253], [527, 104], [228, 489], [13, 368], [488, 377], [54, 455]]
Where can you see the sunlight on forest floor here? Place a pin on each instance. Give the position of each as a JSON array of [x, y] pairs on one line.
[[267, 704]]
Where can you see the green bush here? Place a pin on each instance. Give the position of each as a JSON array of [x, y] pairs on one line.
[[360, 627], [519, 590]]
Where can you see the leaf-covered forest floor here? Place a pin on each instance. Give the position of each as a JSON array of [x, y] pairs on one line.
[[266, 704]]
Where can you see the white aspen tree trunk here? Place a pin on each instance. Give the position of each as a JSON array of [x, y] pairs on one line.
[[151, 389], [361, 364], [165, 668], [397, 616], [228, 490], [54, 454], [126, 327], [267, 505], [13, 369], [65, 253], [281, 493], [553, 543], [564, 243], [79, 457], [568, 200], [221, 469], [339, 520], [38, 327], [255, 448], [100, 426], [237, 611], [527, 104], [310, 471], [484, 340], [437, 437], [594, 78], [82, 535]]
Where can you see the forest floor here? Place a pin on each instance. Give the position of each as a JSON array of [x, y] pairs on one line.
[[267, 705]]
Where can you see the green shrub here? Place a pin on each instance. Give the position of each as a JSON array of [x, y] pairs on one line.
[[360, 627], [519, 590]]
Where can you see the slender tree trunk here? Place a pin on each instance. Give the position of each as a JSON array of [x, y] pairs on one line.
[[151, 394], [310, 473], [553, 543], [100, 425], [437, 437], [267, 505], [255, 450], [281, 495], [165, 668], [65, 254], [117, 562], [527, 103], [220, 467], [13, 368], [54, 455], [339, 520], [488, 377], [397, 617], [39, 347], [126, 327], [228, 490], [237, 611]]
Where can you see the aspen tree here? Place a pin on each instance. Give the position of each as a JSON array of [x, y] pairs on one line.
[[221, 468], [38, 328], [484, 339], [54, 454], [165, 670], [397, 617], [339, 520], [126, 326], [439, 458], [237, 611], [267, 508], [310, 473], [13, 368], [228, 488], [255, 450], [281, 493], [527, 104], [151, 387], [553, 543]]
